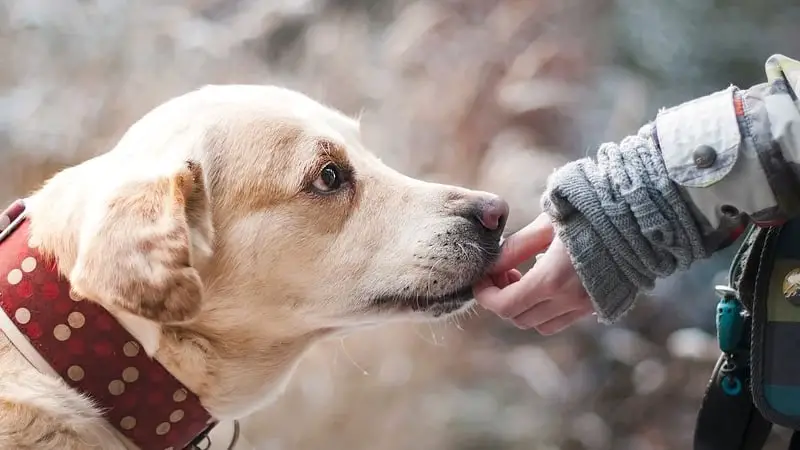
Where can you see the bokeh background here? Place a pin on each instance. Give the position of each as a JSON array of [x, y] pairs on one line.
[[490, 94]]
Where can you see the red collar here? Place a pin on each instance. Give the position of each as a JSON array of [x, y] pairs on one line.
[[90, 350]]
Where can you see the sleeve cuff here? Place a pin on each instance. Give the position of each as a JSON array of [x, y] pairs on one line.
[[611, 292]]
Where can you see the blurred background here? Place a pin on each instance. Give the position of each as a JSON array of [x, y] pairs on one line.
[[490, 94]]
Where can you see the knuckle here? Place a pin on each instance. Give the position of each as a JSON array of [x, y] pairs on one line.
[[522, 324], [505, 311]]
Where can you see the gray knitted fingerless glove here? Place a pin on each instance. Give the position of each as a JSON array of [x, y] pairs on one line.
[[623, 222]]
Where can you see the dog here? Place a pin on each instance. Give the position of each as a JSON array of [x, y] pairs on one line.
[[230, 229]]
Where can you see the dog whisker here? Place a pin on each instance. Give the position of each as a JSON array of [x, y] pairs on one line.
[[426, 340], [346, 353]]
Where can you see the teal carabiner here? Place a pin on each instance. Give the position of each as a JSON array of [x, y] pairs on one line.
[[730, 320]]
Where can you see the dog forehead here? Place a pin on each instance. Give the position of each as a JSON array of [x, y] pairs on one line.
[[273, 104], [266, 118], [280, 103]]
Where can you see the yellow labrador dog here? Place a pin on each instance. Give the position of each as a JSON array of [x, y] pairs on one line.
[[229, 229]]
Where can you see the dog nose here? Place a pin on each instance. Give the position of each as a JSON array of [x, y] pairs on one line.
[[492, 213]]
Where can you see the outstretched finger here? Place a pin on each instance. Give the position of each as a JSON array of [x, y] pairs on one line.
[[524, 244]]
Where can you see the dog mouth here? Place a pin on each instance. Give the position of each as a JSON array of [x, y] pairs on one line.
[[425, 298], [436, 306]]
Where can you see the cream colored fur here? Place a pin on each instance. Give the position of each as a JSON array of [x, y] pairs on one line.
[[202, 232]]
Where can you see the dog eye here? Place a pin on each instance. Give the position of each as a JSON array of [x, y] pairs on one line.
[[329, 180]]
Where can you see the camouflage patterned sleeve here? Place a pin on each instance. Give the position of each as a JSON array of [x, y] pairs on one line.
[[681, 189]]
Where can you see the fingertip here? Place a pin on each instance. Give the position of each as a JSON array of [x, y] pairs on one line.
[[507, 278], [524, 244], [501, 279]]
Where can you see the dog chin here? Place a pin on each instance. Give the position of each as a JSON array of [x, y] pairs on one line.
[[444, 310]]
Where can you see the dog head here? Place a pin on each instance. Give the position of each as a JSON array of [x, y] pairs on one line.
[[238, 212]]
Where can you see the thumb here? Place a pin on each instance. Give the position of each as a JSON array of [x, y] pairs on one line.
[[524, 244]]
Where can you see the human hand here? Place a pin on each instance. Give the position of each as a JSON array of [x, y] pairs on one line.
[[550, 297]]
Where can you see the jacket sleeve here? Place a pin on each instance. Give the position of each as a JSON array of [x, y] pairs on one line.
[[680, 189]]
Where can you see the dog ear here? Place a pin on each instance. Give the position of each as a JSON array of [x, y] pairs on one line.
[[140, 251]]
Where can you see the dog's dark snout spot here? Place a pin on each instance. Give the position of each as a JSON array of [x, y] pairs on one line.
[[492, 213]]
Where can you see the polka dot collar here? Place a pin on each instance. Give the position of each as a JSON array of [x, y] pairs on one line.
[[83, 343]]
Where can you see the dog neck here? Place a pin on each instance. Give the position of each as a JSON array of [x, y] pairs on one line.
[[235, 364], [235, 368]]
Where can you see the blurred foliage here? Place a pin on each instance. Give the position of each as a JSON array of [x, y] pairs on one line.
[[491, 94]]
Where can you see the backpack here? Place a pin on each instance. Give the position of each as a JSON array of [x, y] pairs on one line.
[[756, 381]]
